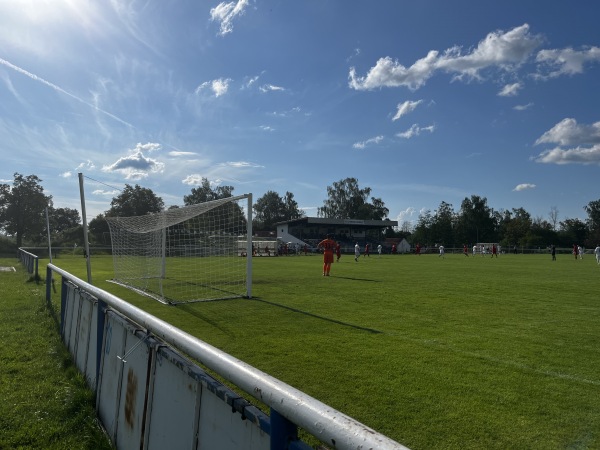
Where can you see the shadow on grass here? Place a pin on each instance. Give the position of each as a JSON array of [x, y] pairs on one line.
[[194, 312], [316, 316]]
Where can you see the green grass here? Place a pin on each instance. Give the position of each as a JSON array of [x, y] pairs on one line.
[[454, 353], [44, 402]]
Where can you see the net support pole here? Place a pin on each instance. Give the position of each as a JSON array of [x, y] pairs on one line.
[[86, 242], [249, 254]]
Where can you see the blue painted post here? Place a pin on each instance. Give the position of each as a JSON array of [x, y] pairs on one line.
[[48, 285], [284, 434]]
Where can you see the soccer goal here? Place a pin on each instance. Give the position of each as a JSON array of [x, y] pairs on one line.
[[186, 254]]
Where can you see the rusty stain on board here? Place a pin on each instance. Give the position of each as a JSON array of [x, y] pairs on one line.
[[130, 398]]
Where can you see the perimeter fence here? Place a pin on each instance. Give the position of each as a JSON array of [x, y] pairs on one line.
[[153, 390]]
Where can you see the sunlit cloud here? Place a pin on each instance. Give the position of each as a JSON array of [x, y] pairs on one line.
[[569, 132], [524, 187], [415, 130], [405, 108], [510, 90], [218, 86], [523, 107], [180, 153], [373, 141], [225, 13], [66, 174], [270, 88], [136, 165], [577, 155], [565, 61], [501, 50]]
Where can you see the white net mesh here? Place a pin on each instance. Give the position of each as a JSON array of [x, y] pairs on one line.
[[183, 255]]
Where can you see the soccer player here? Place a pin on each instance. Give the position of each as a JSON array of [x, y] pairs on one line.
[[441, 251], [366, 251], [338, 251], [465, 250], [597, 253], [379, 248], [327, 245], [494, 251], [356, 252]]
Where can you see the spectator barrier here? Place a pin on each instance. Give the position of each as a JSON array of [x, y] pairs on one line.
[[150, 396]]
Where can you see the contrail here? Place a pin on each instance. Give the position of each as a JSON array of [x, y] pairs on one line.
[[62, 91]]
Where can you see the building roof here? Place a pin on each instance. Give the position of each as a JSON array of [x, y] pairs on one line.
[[340, 222]]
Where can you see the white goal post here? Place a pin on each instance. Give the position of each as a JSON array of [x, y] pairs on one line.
[[186, 254]]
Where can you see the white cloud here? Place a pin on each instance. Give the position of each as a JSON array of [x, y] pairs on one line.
[[405, 108], [523, 187], [503, 50], [89, 165], [180, 153], [569, 132], [66, 174], [565, 61], [226, 12], [270, 88], [577, 155], [510, 90], [219, 86], [360, 145], [406, 215], [415, 130], [136, 166], [105, 193], [523, 107]]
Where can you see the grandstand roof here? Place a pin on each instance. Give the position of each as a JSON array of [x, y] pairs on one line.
[[338, 222]]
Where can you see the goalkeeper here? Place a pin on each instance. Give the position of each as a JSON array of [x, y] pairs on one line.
[[328, 245]]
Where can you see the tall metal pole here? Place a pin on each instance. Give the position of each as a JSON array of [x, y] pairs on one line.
[[249, 249], [86, 242], [49, 242]]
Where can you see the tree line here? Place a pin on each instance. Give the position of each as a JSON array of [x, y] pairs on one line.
[[23, 209]]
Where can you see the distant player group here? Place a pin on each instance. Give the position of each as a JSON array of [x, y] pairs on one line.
[[329, 246]]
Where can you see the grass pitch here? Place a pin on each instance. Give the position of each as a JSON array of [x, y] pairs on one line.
[[437, 353]]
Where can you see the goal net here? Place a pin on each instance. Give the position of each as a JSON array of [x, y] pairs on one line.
[[186, 254]]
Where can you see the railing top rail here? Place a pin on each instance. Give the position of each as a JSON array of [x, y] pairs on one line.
[[21, 249], [327, 424]]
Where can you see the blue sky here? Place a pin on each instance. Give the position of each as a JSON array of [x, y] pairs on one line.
[[423, 102]]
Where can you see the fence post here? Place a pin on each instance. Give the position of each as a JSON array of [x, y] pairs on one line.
[[284, 434]]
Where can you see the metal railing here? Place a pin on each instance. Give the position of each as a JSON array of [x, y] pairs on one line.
[[290, 408]]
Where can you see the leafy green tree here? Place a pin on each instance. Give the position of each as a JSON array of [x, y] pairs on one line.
[[62, 219], [516, 229], [573, 231], [593, 223], [271, 208], [346, 200], [423, 230], [206, 193], [442, 225], [475, 220], [23, 208], [135, 201], [98, 230]]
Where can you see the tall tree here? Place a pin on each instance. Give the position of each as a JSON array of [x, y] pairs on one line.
[[135, 201], [22, 208], [443, 224], [475, 220], [553, 215], [206, 193], [593, 222], [62, 219], [271, 208], [346, 200]]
